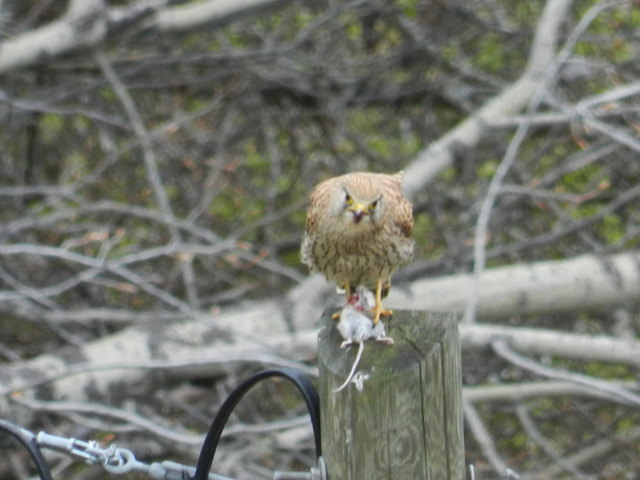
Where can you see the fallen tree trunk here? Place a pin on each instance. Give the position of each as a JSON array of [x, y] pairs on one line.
[[283, 333], [585, 283], [102, 368], [105, 368]]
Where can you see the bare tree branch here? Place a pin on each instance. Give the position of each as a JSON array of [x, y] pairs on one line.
[[439, 154], [83, 24], [196, 14], [536, 436], [153, 173], [547, 342], [520, 391], [484, 438], [502, 349], [87, 23]]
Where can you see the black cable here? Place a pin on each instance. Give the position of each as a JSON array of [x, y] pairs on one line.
[[299, 379], [29, 442]]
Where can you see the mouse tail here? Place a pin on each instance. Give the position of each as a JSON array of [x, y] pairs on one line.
[[353, 369]]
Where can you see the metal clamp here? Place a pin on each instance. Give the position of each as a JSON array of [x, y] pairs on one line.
[[319, 472], [78, 448]]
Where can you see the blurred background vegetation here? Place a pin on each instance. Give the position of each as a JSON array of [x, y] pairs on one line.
[[165, 171]]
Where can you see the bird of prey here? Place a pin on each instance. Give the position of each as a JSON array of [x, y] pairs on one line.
[[358, 232]]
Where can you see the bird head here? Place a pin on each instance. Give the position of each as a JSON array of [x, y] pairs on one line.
[[361, 210]]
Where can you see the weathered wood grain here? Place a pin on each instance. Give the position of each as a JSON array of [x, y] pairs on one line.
[[406, 423]]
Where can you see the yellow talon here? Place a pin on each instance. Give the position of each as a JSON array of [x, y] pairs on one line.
[[379, 310]]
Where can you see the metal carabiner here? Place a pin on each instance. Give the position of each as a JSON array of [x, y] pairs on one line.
[[121, 460]]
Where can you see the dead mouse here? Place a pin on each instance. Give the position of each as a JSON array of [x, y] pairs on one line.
[[356, 326]]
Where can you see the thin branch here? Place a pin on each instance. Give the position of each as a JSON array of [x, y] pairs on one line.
[[94, 409], [591, 453], [439, 155], [502, 348], [153, 173], [534, 435], [196, 14], [483, 437], [548, 76], [515, 392]]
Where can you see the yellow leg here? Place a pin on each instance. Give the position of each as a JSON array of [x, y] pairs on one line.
[[347, 290], [347, 296], [379, 310]]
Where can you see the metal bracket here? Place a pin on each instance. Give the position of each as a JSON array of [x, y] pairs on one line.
[[319, 472]]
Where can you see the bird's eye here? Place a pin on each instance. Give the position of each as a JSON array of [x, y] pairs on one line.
[[348, 199], [373, 205]]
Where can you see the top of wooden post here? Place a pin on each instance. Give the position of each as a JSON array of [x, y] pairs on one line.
[[415, 333], [406, 422]]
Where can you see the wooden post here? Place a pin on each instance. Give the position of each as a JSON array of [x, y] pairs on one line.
[[406, 423]]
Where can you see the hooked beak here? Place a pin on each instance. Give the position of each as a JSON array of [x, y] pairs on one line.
[[358, 211]]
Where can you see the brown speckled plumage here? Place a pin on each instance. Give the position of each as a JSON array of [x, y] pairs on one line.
[[358, 230]]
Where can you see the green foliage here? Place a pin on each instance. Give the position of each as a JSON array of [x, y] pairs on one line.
[[353, 31], [584, 179], [52, 126], [609, 371], [608, 28], [427, 238], [491, 54], [75, 168], [613, 228], [488, 169], [520, 13], [409, 7]]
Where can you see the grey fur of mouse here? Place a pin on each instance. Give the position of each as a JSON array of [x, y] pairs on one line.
[[356, 326]]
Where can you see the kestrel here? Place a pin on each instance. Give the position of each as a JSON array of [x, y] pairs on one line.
[[358, 232]]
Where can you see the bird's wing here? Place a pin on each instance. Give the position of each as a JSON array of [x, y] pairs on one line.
[[318, 202], [403, 215]]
